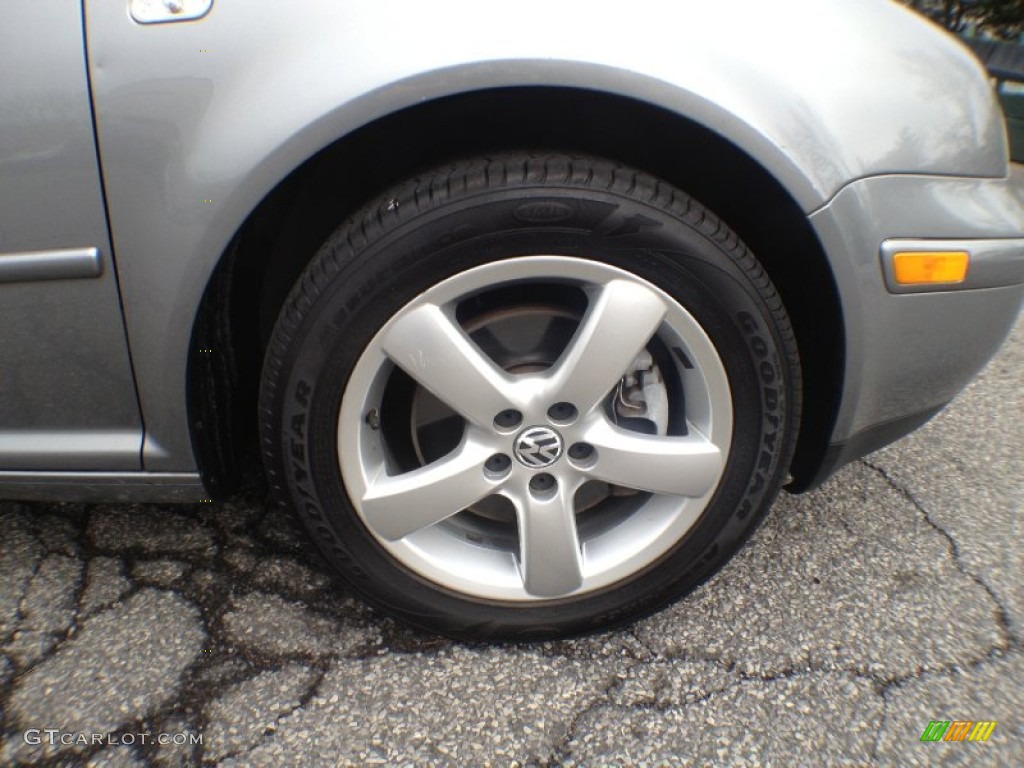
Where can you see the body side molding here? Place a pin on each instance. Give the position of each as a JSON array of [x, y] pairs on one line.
[[62, 264]]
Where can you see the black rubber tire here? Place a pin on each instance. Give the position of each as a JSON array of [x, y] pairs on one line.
[[462, 215]]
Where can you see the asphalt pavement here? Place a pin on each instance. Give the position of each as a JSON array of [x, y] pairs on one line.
[[891, 597]]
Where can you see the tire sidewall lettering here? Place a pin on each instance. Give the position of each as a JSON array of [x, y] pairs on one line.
[[390, 267]]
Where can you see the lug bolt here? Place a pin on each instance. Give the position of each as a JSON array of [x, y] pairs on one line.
[[508, 418], [542, 482], [562, 412], [497, 463], [581, 451]]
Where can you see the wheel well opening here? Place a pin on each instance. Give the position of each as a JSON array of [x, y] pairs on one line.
[[280, 237]]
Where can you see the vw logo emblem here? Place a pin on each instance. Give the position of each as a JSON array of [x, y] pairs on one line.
[[538, 447]]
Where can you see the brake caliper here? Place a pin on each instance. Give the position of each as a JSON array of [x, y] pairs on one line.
[[640, 402]]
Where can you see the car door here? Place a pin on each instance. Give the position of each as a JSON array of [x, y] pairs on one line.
[[67, 396]]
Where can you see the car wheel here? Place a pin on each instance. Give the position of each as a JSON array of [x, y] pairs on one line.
[[529, 396]]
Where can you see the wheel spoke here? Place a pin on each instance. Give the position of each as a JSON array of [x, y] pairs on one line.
[[428, 346], [621, 320], [682, 466], [549, 545], [396, 506], [537, 341]]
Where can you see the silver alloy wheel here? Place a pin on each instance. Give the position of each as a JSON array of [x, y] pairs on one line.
[[409, 511]]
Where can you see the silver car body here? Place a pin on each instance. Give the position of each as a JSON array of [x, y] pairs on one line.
[[877, 126]]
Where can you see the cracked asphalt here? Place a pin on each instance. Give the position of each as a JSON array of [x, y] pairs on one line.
[[890, 597]]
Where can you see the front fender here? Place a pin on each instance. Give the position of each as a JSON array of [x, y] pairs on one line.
[[198, 121]]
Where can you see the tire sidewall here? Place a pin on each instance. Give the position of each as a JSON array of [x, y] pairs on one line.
[[376, 264]]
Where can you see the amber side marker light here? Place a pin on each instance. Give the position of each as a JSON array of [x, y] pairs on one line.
[[930, 267]]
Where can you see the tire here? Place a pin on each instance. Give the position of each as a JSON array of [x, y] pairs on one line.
[[529, 396]]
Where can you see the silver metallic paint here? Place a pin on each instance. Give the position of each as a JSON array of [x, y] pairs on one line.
[[191, 141], [95, 449], [198, 121], [64, 366], [103, 486], [61, 264], [911, 352]]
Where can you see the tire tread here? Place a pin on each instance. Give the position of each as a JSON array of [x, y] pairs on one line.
[[425, 193]]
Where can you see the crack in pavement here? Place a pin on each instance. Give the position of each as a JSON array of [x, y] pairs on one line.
[[895, 684], [19, 617], [212, 598], [1002, 614], [560, 751], [270, 734], [247, 546], [1012, 641]]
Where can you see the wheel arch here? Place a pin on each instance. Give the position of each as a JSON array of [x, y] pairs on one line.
[[278, 238]]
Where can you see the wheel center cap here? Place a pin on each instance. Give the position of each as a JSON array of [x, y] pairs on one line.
[[538, 447]]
